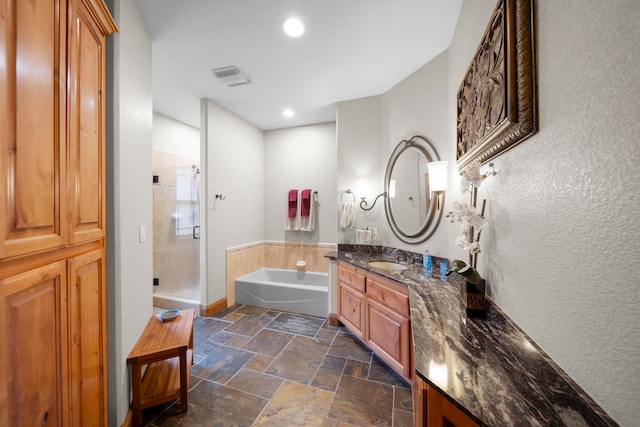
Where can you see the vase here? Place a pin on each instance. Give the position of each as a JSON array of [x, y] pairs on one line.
[[473, 298]]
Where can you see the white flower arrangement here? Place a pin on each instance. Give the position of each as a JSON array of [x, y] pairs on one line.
[[471, 220]]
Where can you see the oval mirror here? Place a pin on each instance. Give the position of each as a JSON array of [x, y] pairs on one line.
[[413, 211]]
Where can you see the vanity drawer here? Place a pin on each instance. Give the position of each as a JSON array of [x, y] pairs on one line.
[[389, 295], [351, 278]]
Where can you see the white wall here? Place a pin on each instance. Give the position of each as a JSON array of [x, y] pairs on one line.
[[359, 135], [175, 137], [562, 211], [369, 129], [129, 202], [417, 106], [231, 164], [299, 158]]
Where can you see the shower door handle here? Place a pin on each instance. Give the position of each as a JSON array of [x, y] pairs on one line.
[[196, 232]]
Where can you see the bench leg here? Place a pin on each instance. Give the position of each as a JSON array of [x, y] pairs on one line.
[[184, 381], [136, 380]]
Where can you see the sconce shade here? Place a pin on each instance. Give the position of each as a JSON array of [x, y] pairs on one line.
[[392, 188], [437, 175], [362, 187]]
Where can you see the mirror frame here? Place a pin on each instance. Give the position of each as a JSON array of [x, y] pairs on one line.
[[433, 214]]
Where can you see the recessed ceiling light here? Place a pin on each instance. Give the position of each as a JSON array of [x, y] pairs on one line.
[[293, 27], [287, 113]]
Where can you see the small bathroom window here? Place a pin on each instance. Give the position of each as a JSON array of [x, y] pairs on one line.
[[187, 215]]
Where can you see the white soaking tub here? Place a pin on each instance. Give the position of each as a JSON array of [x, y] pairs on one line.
[[288, 290]]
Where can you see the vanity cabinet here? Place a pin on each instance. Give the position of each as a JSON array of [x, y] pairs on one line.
[[431, 409], [376, 310], [53, 315]]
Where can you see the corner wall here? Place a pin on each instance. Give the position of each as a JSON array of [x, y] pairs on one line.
[[129, 195], [231, 164], [360, 155]]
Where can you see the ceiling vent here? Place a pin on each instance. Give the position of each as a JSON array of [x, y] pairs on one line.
[[231, 76]]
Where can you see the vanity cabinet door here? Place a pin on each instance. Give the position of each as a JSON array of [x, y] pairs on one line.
[[351, 312], [431, 409], [388, 336], [351, 291]]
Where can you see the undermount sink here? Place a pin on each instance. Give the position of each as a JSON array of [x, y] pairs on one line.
[[387, 265]]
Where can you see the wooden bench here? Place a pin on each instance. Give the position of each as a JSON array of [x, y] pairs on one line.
[[167, 350]]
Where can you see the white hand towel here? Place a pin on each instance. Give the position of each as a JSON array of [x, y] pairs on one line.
[[347, 216], [363, 236], [308, 223]]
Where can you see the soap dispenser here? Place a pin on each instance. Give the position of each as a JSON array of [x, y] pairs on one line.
[[427, 262]]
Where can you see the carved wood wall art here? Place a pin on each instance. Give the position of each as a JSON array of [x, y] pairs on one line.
[[497, 97]]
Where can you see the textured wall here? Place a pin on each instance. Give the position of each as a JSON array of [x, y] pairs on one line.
[[564, 238], [129, 195]]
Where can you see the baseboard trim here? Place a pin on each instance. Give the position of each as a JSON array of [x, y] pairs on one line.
[[213, 308], [333, 320]]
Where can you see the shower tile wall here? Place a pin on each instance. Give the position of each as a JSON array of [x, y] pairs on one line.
[[244, 259], [175, 256]]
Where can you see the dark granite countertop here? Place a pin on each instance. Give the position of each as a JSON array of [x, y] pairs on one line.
[[489, 368]]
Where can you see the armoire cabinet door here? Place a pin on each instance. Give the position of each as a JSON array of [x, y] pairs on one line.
[[33, 347], [32, 126], [88, 339], [86, 125]]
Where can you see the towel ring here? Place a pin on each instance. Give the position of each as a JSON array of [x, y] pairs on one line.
[[347, 192]]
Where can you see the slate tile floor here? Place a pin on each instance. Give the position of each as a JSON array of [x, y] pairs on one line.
[[260, 367]]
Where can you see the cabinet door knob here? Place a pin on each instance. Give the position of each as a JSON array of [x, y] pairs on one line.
[[45, 418]]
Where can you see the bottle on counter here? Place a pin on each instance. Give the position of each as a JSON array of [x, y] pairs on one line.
[[427, 262]]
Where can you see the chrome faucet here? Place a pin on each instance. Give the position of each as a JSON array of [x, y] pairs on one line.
[[403, 255]]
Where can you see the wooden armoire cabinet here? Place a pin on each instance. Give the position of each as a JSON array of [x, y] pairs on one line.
[[53, 313]]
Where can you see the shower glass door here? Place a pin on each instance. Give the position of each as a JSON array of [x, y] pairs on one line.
[[176, 231]]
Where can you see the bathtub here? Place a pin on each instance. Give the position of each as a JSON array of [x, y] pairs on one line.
[[288, 290]]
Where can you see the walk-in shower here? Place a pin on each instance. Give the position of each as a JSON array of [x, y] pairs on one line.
[[176, 231]]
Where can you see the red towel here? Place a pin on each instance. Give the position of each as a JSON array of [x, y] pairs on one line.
[[293, 203], [305, 208]]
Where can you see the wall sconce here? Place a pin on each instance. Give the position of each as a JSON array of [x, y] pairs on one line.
[[438, 179], [392, 189], [363, 201], [363, 188]]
